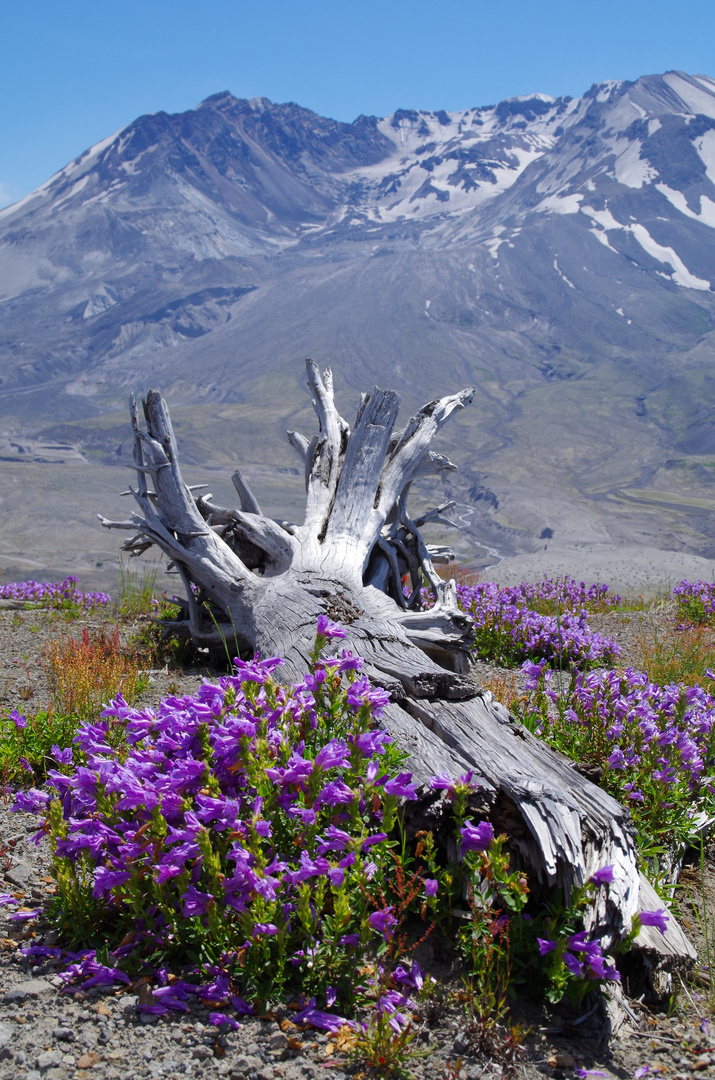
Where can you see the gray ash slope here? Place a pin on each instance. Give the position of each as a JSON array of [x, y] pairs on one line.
[[558, 253]]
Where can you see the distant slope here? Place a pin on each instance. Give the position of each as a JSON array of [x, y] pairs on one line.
[[557, 252]]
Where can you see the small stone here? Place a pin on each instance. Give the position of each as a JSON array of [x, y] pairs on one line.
[[201, 1053], [461, 1043], [64, 1034], [31, 988], [148, 1018], [245, 1064], [6, 1034], [88, 1060], [278, 1041], [563, 1060], [49, 1059], [19, 874]]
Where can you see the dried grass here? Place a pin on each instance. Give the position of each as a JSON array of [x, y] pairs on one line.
[[86, 672], [673, 653]]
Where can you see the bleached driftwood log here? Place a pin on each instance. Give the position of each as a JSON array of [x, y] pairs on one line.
[[267, 581]]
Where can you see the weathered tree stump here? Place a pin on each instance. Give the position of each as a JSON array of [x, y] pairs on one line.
[[267, 581]]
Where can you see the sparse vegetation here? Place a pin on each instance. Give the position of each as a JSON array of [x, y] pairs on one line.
[[290, 870], [86, 672], [137, 591], [83, 674], [58, 595]]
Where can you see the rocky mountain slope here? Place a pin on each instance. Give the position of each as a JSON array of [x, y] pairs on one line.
[[557, 253]]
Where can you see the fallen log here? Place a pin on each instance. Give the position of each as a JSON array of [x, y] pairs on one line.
[[262, 584]]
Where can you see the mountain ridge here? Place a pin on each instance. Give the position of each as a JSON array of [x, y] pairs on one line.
[[555, 251]]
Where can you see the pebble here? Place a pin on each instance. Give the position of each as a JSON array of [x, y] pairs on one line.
[[20, 874], [30, 988], [64, 1034], [49, 1059]]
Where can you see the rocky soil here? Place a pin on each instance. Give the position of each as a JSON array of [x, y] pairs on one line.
[[47, 1033]]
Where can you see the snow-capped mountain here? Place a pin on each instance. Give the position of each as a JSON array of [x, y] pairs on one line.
[[558, 252]]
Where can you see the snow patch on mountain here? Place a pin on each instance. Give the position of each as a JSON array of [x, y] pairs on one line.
[[561, 204], [562, 275], [678, 200], [699, 99], [705, 146], [631, 169], [680, 273]]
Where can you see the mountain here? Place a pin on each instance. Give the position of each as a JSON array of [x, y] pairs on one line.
[[556, 252]]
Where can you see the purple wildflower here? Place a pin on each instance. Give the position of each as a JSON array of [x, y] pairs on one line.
[[361, 693], [334, 755], [218, 1020], [603, 876], [384, 922], [573, 965], [477, 838], [335, 793], [24, 916], [317, 1018], [64, 757], [268, 929], [402, 786], [545, 946], [658, 918], [328, 629], [195, 902], [242, 1007]]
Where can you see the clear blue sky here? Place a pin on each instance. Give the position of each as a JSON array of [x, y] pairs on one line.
[[75, 71]]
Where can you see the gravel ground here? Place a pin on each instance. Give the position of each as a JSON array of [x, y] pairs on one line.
[[49, 1034]]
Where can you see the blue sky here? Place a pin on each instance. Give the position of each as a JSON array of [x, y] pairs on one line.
[[76, 71]]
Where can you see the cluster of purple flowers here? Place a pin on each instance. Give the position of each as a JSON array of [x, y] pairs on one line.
[[56, 594], [582, 958], [548, 620], [551, 595], [656, 744], [250, 816], [249, 824], [696, 600]]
